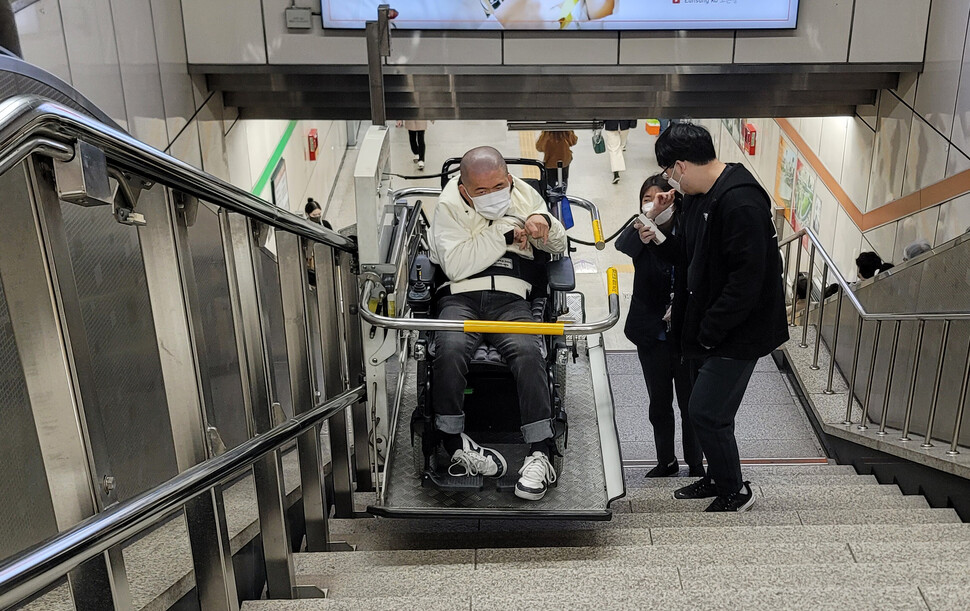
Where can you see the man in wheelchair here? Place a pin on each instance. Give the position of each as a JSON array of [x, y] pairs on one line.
[[486, 230]]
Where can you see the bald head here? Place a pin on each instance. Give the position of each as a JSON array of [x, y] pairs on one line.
[[483, 170]]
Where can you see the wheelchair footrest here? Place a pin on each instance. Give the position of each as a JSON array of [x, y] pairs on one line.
[[451, 483]]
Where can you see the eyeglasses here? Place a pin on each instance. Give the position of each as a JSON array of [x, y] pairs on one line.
[[667, 172]]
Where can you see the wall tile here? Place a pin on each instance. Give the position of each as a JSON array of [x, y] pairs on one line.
[[224, 31], [542, 48], [810, 129], [956, 162], [42, 38], [827, 216], [936, 92], [683, 47], [212, 138], [822, 36], [187, 146], [960, 135], [857, 161], [915, 227], [954, 219], [846, 245], [926, 159], [889, 156], [446, 48], [93, 55], [872, 21], [314, 46], [177, 96], [831, 151], [881, 240], [237, 153], [907, 87], [140, 78]]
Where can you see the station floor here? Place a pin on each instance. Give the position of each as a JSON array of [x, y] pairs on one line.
[[771, 426]]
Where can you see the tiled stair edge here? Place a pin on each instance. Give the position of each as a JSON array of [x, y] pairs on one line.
[[800, 360]]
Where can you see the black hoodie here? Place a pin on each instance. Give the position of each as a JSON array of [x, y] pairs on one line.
[[730, 302]]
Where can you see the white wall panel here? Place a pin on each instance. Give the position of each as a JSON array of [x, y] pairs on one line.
[[224, 31], [956, 162], [542, 48], [42, 38], [187, 147], [93, 55], [913, 228], [881, 241], [134, 33], [810, 129], [889, 155], [822, 35], [857, 161], [177, 96], [846, 245], [446, 48], [831, 150], [212, 139], [237, 152], [954, 219], [960, 135], [889, 30], [314, 46], [926, 159], [936, 92], [683, 47]]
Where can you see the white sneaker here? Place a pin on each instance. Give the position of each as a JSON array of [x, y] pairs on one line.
[[420, 165], [415, 159], [537, 473], [473, 459]]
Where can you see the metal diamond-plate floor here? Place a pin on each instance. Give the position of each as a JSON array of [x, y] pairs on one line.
[[581, 488]]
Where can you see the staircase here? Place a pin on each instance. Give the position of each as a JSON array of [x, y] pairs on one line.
[[818, 537]]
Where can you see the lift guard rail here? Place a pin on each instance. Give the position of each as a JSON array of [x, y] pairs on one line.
[[42, 565], [595, 214], [863, 315], [495, 326], [31, 123]]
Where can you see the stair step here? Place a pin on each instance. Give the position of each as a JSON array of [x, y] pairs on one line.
[[390, 603], [878, 516], [800, 470], [324, 563], [912, 551], [939, 597], [727, 579], [812, 501], [794, 534], [758, 479], [828, 492]]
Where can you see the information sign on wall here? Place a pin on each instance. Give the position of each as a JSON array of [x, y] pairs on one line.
[[567, 14]]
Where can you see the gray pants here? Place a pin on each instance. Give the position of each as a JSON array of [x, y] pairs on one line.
[[454, 349]]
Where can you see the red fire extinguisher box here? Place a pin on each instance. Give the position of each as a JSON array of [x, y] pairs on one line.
[[750, 138], [312, 144]]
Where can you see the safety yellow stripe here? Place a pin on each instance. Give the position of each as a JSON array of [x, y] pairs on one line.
[[566, 16], [525, 328], [613, 281], [597, 231]]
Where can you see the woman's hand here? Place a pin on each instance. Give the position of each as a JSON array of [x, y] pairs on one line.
[[647, 234], [661, 202]]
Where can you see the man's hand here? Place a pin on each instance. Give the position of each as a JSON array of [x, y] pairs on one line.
[[537, 227], [520, 238], [647, 234], [661, 202]]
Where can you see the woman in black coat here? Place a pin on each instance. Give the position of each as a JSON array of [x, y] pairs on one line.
[[647, 326]]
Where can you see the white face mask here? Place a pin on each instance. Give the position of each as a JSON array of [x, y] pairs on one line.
[[676, 183], [494, 205]]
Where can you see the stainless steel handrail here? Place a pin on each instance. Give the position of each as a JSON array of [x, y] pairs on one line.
[[432, 324], [595, 214], [43, 564], [26, 118], [850, 294]]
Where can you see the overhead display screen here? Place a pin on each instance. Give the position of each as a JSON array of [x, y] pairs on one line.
[[567, 14]]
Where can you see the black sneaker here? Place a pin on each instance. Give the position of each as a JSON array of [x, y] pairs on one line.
[[739, 501], [701, 489], [668, 470]]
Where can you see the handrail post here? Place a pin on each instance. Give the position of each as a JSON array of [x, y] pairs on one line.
[[821, 315], [958, 421], [215, 578], [101, 583], [930, 419], [835, 341], [808, 297], [872, 370], [889, 381], [907, 419], [853, 375]]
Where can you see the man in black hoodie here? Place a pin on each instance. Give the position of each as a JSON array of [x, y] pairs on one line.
[[729, 304]]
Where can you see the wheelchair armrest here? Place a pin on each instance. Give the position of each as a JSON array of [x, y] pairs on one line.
[[561, 275]]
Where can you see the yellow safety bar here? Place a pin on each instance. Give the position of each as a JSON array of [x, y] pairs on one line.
[[612, 281], [597, 232]]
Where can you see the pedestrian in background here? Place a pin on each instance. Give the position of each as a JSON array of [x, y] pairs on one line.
[[556, 146], [416, 131], [729, 303], [648, 326], [615, 134]]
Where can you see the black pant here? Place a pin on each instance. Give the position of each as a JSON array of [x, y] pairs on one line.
[[453, 352], [416, 138], [719, 386], [552, 176], [664, 373]]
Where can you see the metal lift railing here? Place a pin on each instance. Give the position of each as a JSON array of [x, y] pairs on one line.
[[845, 293], [90, 552]]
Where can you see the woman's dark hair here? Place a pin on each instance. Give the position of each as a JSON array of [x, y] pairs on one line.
[[684, 142], [870, 264], [311, 206]]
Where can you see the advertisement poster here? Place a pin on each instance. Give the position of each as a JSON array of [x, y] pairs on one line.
[[804, 193], [785, 176], [567, 14]]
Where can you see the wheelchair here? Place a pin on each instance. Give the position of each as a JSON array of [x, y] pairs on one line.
[[491, 403]]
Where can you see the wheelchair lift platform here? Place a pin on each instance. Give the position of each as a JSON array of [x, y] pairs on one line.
[[590, 479]]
